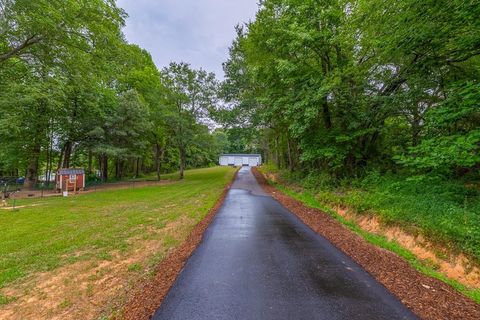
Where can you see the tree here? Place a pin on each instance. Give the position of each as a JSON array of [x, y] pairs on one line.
[[73, 93], [51, 27], [343, 87], [189, 98], [120, 136], [59, 45]]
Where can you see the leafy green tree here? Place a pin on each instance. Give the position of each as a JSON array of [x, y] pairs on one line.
[[344, 87], [59, 45], [452, 135], [73, 93], [189, 98], [48, 28], [120, 135]]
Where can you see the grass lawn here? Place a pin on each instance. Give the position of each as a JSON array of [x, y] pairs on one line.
[[52, 232]]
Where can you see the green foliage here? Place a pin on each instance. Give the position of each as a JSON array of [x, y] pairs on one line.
[[49, 28], [73, 93], [189, 99], [344, 87], [452, 139], [134, 267], [442, 209], [123, 128]]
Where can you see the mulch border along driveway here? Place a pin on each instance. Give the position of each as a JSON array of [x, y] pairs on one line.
[[427, 297]]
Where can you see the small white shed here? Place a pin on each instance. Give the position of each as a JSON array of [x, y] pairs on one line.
[[251, 160]]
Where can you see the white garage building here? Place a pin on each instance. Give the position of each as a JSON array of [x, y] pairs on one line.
[[251, 160]]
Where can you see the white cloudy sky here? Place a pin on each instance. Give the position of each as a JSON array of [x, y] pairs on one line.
[[195, 31]]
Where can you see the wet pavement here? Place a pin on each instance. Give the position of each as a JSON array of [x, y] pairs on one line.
[[259, 261]]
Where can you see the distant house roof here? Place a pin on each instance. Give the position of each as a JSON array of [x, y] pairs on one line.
[[71, 171], [240, 155]]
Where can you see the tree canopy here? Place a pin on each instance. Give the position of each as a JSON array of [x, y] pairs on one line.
[[333, 85], [74, 93], [343, 86]]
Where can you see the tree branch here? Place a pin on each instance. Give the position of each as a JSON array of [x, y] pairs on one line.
[[17, 50]]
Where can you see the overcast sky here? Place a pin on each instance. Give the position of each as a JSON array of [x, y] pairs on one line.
[[195, 31]]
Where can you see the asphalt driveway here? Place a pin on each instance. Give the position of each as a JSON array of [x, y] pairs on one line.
[[259, 261]]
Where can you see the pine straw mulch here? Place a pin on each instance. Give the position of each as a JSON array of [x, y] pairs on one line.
[[149, 294], [427, 297]]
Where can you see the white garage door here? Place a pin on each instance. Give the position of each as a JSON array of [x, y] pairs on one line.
[[245, 161], [231, 160], [238, 161], [252, 162]]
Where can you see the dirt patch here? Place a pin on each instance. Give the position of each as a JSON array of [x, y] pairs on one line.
[[149, 294], [89, 288], [427, 297], [106, 186], [19, 207], [126, 185], [457, 267]]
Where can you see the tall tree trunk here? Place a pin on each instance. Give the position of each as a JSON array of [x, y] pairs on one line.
[[67, 154], [105, 169], [183, 160], [116, 168], [60, 158], [327, 118], [99, 161], [158, 159], [90, 161], [48, 170], [32, 169], [104, 165], [47, 166], [290, 157], [69, 143], [133, 163], [119, 170], [41, 132], [277, 153], [137, 172]]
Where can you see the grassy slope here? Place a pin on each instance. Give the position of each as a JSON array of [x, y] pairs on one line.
[[443, 210], [395, 201], [63, 230]]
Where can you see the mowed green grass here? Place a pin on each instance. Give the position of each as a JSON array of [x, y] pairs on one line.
[[61, 230]]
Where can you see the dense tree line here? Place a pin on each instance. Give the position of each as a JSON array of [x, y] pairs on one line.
[[344, 86], [332, 85], [74, 93]]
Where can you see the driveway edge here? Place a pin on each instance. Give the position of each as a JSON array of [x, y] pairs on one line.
[[427, 297], [149, 295]]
